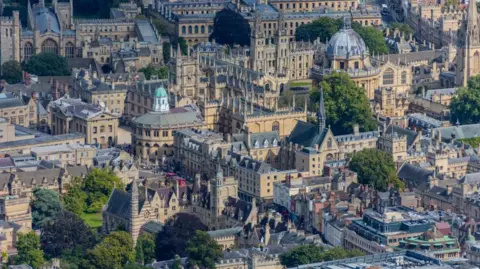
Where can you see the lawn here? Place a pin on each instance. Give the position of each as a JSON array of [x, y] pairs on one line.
[[300, 84], [94, 220]]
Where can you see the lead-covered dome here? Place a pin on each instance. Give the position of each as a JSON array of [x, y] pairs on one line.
[[347, 43]]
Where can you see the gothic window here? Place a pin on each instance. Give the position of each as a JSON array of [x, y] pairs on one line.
[[69, 50], [388, 77], [276, 126], [476, 62], [404, 77], [50, 46], [27, 50]]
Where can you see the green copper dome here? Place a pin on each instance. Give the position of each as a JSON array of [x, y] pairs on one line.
[[161, 92]]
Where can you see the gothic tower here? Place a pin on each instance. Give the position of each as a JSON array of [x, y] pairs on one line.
[[135, 221], [257, 44], [321, 113], [468, 47], [282, 46], [215, 195]]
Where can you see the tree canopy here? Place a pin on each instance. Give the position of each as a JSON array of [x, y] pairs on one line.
[[230, 28], [173, 238], [306, 254], [151, 71], [325, 27], [67, 234], [98, 186], [47, 64], [375, 168], [345, 104], [75, 198], [29, 251], [203, 251], [145, 248], [45, 206], [402, 27], [465, 104], [12, 72], [115, 250]]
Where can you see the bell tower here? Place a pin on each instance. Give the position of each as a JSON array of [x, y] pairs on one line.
[[468, 47]]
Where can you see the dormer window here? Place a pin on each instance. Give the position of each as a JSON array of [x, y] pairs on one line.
[[275, 142], [265, 143], [256, 144]]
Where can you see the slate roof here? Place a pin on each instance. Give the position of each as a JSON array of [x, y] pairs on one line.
[[119, 204], [460, 132], [147, 32], [226, 232], [152, 227], [76, 108], [46, 20], [472, 178], [187, 116], [307, 134], [399, 131], [414, 173], [8, 100]]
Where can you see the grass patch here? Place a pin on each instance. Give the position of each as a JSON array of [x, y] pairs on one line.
[[94, 220], [301, 84]]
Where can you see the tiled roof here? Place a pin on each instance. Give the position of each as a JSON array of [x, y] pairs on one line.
[[307, 134]]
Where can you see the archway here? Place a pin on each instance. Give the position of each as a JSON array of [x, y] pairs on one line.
[[50, 46]]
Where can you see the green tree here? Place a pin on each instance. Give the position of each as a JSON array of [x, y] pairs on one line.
[[113, 252], [203, 251], [323, 28], [45, 206], [402, 27], [230, 28], [465, 104], [306, 254], [67, 234], [98, 185], [172, 240], [373, 38], [29, 251], [75, 198], [345, 103], [145, 248], [12, 72], [375, 168], [47, 64], [159, 72]]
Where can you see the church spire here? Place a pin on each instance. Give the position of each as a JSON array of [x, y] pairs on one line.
[[473, 33], [219, 174], [321, 112]]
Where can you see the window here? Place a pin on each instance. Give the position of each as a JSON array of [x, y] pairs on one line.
[[69, 50], [94, 130], [388, 77], [102, 129], [50, 46], [276, 126], [404, 77], [110, 128], [27, 50]]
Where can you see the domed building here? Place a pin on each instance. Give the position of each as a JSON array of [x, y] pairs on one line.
[[380, 76], [152, 133]]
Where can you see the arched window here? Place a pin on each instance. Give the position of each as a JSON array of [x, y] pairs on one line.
[[388, 77], [404, 77], [202, 29], [69, 50], [50, 46], [196, 29], [210, 29], [27, 51], [476, 62], [276, 126], [184, 30], [190, 29], [329, 143]]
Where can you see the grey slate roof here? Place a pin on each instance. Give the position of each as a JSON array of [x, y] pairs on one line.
[[119, 204], [460, 132], [225, 232], [147, 32], [399, 131], [307, 134], [46, 20], [176, 116], [472, 178], [8, 100], [414, 173]]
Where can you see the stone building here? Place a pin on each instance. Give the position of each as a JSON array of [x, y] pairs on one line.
[[96, 122], [368, 72], [153, 132], [21, 110], [468, 47]]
